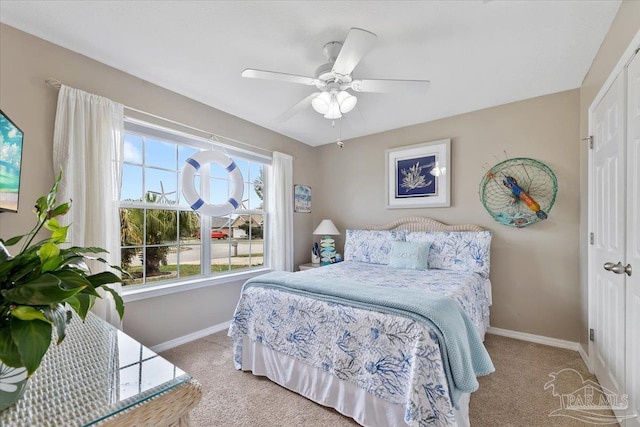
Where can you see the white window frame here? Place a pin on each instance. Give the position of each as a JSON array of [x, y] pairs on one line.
[[154, 289]]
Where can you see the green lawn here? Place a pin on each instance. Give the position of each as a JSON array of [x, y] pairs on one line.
[[186, 270]]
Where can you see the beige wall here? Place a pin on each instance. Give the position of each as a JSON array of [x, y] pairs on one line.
[[623, 28], [534, 271], [25, 62]]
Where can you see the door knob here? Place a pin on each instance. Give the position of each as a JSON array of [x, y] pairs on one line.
[[618, 268]]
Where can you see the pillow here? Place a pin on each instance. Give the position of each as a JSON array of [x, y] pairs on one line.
[[456, 250], [371, 246], [409, 255]]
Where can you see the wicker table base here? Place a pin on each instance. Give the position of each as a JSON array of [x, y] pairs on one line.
[[168, 409]]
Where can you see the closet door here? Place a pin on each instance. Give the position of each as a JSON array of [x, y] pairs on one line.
[[633, 243], [607, 294]]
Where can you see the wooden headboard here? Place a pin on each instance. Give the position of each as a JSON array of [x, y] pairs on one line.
[[416, 223]]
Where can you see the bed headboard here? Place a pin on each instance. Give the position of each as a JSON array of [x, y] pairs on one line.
[[416, 223]]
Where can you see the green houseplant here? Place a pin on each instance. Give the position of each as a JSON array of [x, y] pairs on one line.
[[38, 288]]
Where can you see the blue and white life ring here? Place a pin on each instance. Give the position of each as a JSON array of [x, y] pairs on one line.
[[191, 166]]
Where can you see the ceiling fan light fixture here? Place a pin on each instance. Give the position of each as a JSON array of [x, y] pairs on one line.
[[346, 101], [322, 102], [334, 110], [333, 105]]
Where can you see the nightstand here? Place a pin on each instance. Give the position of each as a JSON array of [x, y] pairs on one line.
[[308, 266]]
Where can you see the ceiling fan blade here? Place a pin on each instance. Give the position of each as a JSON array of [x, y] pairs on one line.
[[283, 77], [305, 103], [367, 85], [357, 44]]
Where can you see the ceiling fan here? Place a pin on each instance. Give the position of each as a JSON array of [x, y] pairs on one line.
[[333, 79]]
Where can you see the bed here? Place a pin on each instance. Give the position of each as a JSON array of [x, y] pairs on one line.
[[392, 336]]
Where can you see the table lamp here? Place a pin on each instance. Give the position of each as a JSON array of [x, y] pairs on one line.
[[327, 245]]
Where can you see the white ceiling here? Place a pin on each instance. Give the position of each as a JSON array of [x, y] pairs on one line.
[[477, 54]]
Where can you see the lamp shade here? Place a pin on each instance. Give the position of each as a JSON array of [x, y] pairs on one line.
[[321, 102], [334, 109], [326, 228], [346, 101]]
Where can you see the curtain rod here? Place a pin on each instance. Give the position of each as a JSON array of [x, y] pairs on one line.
[[56, 84]]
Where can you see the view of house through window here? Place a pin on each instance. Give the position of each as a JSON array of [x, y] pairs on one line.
[[162, 239]]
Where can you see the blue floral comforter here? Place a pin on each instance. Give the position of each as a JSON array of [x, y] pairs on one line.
[[391, 357]]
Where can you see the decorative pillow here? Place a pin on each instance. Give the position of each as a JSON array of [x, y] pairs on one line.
[[372, 246], [409, 255], [456, 250]]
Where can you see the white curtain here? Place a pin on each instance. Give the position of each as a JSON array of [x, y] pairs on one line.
[[87, 145], [280, 211]]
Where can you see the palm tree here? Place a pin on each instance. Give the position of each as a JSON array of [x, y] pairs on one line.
[[258, 186], [161, 229], [131, 234]]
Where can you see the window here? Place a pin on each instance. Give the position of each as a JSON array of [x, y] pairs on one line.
[[162, 239]]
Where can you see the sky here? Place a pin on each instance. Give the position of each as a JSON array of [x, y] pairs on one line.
[[10, 142], [10, 154]]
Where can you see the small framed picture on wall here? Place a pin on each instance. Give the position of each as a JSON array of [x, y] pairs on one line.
[[301, 198], [419, 176]]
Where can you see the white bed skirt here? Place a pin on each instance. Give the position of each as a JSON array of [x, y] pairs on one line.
[[327, 390]]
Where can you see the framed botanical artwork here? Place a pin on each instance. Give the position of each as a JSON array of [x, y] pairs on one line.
[[301, 198], [419, 176]]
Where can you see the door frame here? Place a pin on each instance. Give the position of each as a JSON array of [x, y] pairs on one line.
[[624, 60], [621, 64]]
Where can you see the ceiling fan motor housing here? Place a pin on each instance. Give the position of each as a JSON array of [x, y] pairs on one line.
[[331, 50], [328, 78], [325, 72]]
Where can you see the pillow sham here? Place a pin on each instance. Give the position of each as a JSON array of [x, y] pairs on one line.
[[456, 250], [371, 246], [409, 255]]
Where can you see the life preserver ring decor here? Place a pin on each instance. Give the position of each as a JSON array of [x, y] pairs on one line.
[[191, 166]]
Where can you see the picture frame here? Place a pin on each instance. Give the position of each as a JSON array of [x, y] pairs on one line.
[[301, 198], [419, 176]]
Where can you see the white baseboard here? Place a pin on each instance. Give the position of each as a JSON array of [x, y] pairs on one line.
[[190, 337], [539, 339], [553, 342], [585, 357]]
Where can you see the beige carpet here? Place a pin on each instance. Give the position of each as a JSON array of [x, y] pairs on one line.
[[512, 396]]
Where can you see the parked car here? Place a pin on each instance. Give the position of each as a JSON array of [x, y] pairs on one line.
[[215, 234], [219, 234]]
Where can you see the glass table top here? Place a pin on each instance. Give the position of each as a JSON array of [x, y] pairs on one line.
[[95, 373]]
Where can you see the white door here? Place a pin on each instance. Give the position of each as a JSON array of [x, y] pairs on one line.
[[607, 294], [633, 242]]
